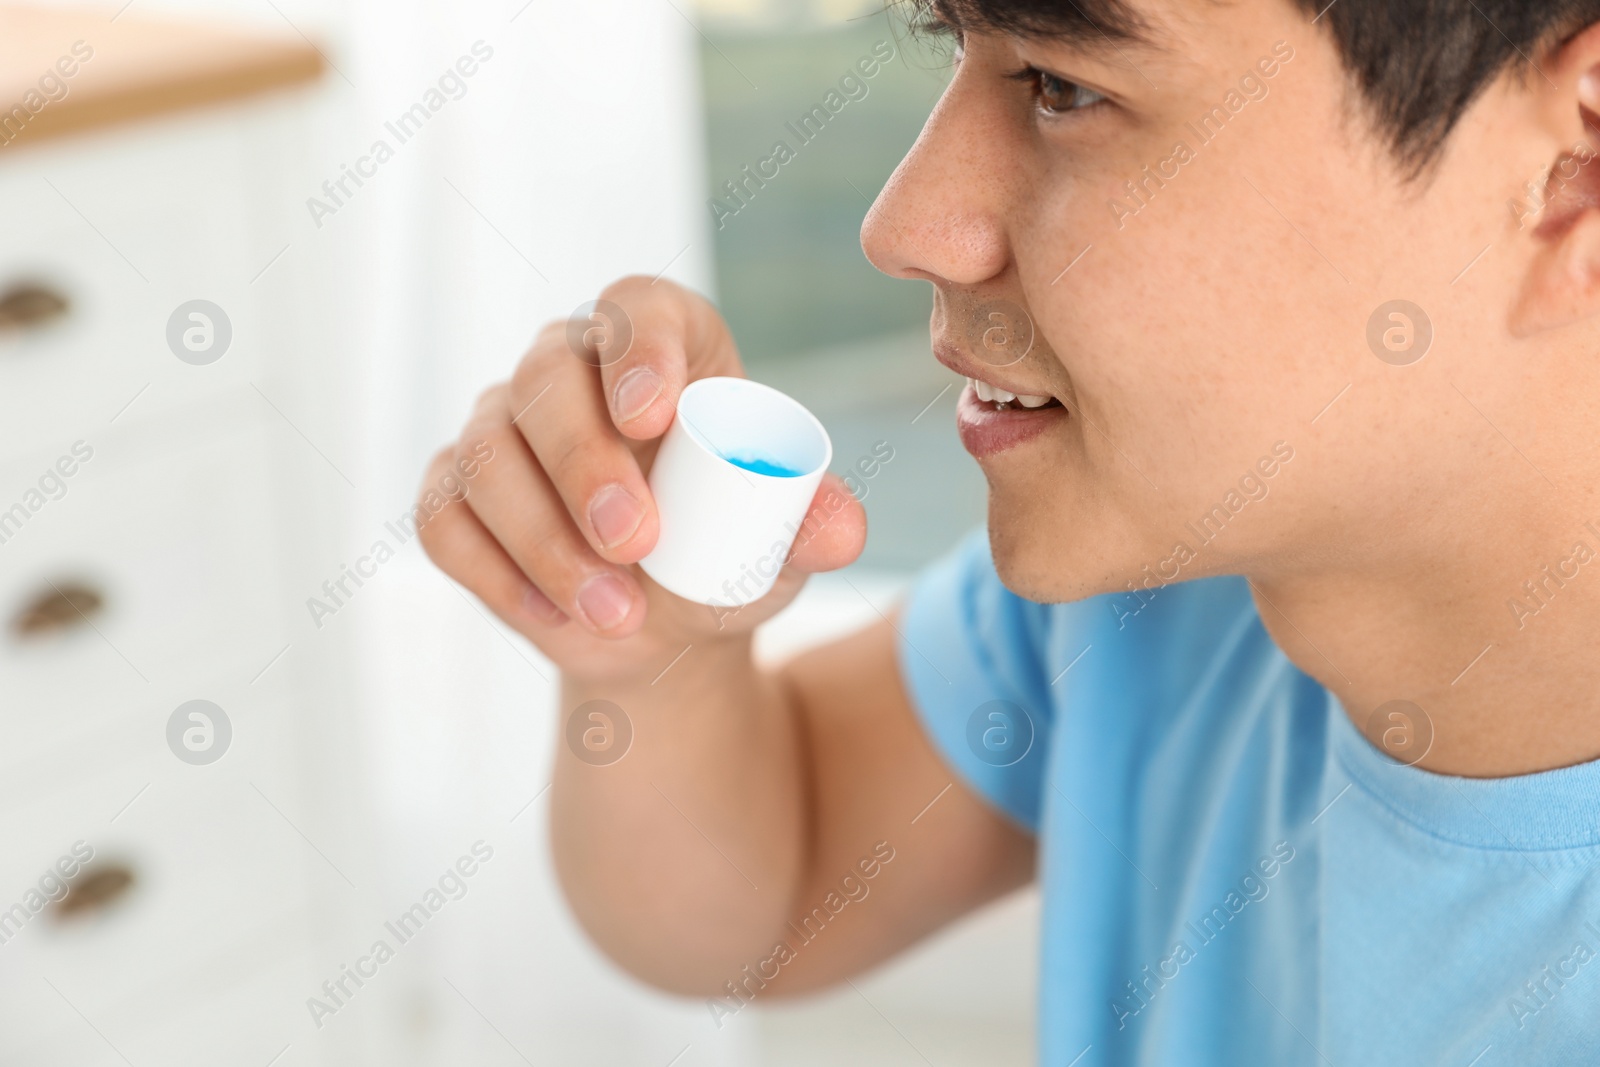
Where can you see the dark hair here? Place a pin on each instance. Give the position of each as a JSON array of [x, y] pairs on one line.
[[1419, 64]]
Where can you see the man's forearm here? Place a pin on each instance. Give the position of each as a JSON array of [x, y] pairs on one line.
[[683, 856]]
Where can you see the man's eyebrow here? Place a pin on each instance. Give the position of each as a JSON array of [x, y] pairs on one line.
[[1091, 25]]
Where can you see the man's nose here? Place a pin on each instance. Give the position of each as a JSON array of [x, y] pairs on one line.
[[939, 216]]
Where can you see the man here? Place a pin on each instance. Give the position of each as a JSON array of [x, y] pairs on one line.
[[1277, 667]]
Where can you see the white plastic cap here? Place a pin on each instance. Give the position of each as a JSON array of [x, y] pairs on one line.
[[732, 481]]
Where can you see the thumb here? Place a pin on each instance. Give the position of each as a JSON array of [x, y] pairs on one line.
[[834, 530]]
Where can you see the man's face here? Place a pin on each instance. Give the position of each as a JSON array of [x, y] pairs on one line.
[[1200, 258]]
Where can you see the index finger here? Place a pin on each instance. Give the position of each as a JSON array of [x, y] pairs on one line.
[[650, 338]]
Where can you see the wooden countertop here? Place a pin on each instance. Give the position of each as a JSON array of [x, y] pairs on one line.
[[127, 66]]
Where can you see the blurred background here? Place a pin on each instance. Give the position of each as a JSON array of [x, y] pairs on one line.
[[257, 260]]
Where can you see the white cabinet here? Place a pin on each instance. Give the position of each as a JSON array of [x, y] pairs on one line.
[[157, 514]]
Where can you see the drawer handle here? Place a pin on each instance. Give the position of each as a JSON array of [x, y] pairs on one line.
[[30, 307], [94, 891], [63, 607]]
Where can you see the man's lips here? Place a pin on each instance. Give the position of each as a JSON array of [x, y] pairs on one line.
[[988, 429], [1009, 412]]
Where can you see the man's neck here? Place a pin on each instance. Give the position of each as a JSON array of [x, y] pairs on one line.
[[1492, 630]]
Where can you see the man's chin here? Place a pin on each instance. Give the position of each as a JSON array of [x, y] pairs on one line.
[[1026, 561], [1052, 561]]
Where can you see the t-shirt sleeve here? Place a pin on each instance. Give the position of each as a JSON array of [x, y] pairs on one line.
[[972, 656]]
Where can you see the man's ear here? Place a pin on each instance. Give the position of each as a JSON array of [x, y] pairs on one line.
[[1562, 286], [1562, 206]]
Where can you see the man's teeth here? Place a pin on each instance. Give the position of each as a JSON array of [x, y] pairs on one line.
[[994, 394]]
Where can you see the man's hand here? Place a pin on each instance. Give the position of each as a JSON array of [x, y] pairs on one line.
[[551, 526]]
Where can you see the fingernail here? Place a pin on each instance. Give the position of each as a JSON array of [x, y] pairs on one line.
[[541, 607], [635, 391], [614, 514], [604, 601]]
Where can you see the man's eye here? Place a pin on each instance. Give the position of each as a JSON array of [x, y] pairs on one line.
[[1055, 95]]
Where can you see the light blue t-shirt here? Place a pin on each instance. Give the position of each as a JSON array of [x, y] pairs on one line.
[[1232, 874]]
